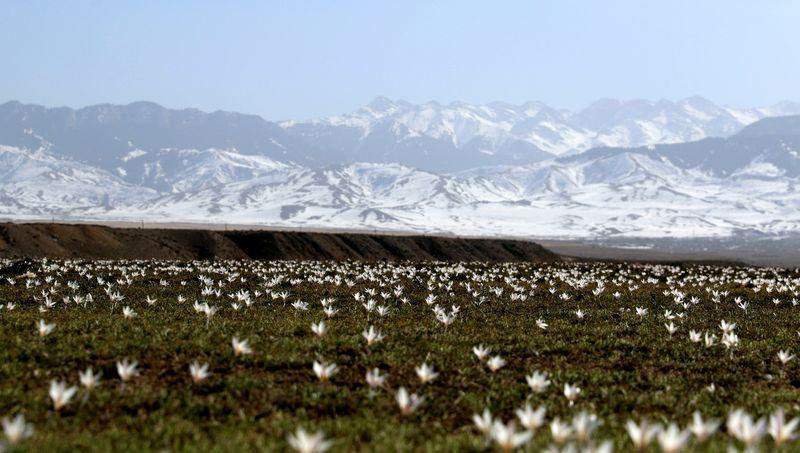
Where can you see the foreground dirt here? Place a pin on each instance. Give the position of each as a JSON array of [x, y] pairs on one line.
[[39, 240]]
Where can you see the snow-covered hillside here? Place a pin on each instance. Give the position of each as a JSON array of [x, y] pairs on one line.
[[624, 193], [747, 182], [37, 183]]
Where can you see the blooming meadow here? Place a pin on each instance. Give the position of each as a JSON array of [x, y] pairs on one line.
[[347, 356]]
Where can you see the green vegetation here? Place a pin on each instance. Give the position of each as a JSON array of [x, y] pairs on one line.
[[620, 353]]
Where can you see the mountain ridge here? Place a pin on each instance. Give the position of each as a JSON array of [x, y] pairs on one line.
[[428, 136], [717, 186]]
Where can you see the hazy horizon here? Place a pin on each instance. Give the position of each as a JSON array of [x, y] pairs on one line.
[[287, 61]]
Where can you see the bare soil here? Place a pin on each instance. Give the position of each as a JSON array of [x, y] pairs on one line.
[[54, 240]]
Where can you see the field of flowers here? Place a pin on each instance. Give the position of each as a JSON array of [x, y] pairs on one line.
[[348, 356]]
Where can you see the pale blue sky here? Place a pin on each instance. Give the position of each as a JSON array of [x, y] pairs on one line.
[[300, 59]]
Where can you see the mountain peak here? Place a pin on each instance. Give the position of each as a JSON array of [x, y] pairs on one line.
[[144, 105], [605, 103], [381, 104], [697, 99]]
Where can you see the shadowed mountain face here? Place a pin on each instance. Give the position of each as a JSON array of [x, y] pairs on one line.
[[767, 148], [142, 161], [104, 134], [773, 127]]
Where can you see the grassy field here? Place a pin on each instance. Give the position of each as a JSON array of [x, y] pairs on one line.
[[625, 362]]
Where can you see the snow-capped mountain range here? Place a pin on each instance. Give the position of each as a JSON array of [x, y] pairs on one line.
[[614, 169], [492, 128]]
